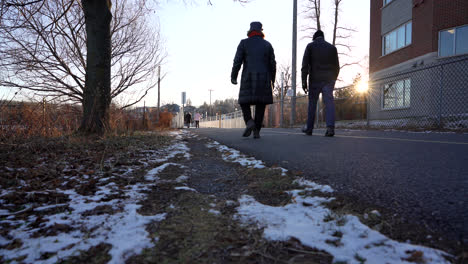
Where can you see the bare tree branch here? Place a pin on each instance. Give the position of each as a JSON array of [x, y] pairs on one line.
[[286, 69], [19, 3], [340, 34], [44, 49], [312, 11]]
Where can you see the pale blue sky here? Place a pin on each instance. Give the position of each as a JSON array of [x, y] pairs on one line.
[[201, 41]]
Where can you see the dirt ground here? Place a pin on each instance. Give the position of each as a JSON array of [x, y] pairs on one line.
[[200, 223]]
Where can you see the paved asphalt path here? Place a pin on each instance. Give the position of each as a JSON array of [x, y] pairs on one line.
[[422, 177]]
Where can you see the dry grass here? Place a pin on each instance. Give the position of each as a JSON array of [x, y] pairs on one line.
[[26, 120]]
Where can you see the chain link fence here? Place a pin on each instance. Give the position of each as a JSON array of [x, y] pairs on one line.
[[425, 97]]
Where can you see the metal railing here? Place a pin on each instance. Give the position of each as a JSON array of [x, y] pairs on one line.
[[230, 120], [348, 112], [433, 97]]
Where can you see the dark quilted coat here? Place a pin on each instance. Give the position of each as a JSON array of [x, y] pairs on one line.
[[320, 62], [258, 73]]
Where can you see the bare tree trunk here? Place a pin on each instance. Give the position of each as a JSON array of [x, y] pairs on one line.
[[317, 13], [97, 91], [335, 25], [312, 12]]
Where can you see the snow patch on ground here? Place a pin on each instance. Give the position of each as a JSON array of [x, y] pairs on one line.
[[343, 236], [182, 178], [185, 188], [151, 175], [313, 186], [124, 228], [230, 203], [232, 155], [215, 212], [308, 220], [47, 207], [283, 171]]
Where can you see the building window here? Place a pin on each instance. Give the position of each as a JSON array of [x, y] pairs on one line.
[[386, 2], [396, 94], [397, 39], [453, 41]]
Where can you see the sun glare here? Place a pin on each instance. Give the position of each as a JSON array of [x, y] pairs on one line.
[[362, 87]]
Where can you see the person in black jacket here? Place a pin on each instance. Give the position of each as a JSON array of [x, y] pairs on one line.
[[188, 119], [321, 64], [258, 76]]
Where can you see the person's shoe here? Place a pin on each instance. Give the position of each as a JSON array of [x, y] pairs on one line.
[[330, 132], [249, 128], [306, 131], [256, 133]]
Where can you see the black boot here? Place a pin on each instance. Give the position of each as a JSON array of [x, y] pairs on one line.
[[256, 133], [330, 132], [308, 132], [249, 127]]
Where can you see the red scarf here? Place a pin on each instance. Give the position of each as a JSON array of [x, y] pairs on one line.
[[256, 33]]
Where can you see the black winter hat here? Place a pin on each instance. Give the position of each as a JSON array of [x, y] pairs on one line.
[[318, 34], [256, 26]]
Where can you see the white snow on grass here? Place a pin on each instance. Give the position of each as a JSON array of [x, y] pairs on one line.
[[185, 188], [4, 212], [306, 219], [151, 175], [232, 155], [215, 212], [343, 236], [230, 203], [47, 207], [283, 171], [123, 228], [313, 186], [182, 178]]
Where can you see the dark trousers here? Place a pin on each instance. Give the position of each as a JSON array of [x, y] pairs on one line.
[[326, 88], [259, 113], [197, 124]]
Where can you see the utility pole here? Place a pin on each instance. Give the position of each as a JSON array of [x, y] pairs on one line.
[[294, 64], [210, 101], [159, 93]]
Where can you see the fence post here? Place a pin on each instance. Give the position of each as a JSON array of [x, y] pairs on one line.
[[441, 85], [282, 100]]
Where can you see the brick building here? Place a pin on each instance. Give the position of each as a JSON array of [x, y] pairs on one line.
[[418, 48]]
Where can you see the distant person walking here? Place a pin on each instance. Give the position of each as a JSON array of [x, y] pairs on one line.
[[197, 120], [257, 79], [188, 119], [321, 64]]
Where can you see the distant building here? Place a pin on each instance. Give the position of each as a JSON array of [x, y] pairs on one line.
[[418, 55]]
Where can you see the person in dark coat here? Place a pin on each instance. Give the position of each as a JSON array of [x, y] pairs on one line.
[[188, 119], [321, 65], [257, 57]]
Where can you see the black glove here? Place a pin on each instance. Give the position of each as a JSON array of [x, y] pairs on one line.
[[304, 87], [233, 81]]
